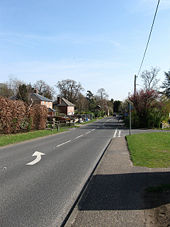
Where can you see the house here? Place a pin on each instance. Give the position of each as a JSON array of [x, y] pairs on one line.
[[39, 99], [35, 98], [64, 106]]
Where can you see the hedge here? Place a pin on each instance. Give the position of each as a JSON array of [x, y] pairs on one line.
[[16, 116]]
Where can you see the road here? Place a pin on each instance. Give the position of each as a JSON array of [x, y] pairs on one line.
[[40, 190]]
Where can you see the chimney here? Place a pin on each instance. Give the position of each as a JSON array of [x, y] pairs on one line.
[[36, 91], [58, 100]]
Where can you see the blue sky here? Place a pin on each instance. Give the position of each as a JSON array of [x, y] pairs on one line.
[[98, 43]]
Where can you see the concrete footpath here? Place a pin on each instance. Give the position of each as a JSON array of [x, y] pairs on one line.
[[115, 194]]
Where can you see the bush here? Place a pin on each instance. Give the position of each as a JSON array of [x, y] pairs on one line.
[[12, 114], [148, 110], [15, 116], [38, 114]]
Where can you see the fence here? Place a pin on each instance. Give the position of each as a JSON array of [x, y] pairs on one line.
[[53, 123]]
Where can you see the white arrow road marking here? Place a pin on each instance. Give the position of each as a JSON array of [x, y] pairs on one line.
[[4, 168], [63, 143], [115, 133], [38, 158]]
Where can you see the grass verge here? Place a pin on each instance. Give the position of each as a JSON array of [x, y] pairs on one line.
[[16, 138], [87, 122], [91, 121], [150, 149], [20, 137]]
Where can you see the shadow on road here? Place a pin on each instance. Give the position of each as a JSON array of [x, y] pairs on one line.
[[122, 191]]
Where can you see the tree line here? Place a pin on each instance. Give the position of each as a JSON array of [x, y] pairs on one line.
[[70, 89], [151, 103]]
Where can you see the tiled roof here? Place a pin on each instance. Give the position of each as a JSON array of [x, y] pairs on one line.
[[64, 102], [40, 97], [68, 103]]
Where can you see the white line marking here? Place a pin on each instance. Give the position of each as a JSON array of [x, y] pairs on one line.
[[92, 130], [119, 133], [79, 136], [63, 143], [115, 133], [38, 158], [88, 132]]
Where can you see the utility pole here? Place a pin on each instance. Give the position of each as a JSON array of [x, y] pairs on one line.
[[135, 77], [130, 119], [130, 116], [112, 100]]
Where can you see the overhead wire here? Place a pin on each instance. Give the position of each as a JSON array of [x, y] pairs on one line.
[[147, 44]]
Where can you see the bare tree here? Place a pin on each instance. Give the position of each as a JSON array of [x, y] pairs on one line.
[[82, 103], [14, 84], [5, 91], [69, 89], [149, 78], [102, 93], [44, 89]]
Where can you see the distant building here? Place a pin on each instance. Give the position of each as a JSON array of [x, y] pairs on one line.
[[35, 98], [39, 99], [64, 106]]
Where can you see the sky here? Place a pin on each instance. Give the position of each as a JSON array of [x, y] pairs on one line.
[[99, 43]]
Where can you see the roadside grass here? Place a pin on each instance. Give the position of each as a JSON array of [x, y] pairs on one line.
[[150, 149], [91, 121], [165, 129], [19, 137]]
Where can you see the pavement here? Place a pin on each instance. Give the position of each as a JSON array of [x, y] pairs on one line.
[[115, 193]]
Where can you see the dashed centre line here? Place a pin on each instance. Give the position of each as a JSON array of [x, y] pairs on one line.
[[88, 132], [63, 143], [75, 138], [79, 136]]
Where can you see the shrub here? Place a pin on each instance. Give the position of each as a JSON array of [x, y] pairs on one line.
[[38, 114], [12, 114], [15, 116], [148, 110]]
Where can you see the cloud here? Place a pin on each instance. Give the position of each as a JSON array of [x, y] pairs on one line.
[[77, 39]]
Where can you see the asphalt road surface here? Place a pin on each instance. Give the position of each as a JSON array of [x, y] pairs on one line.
[[39, 190]]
